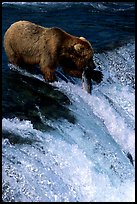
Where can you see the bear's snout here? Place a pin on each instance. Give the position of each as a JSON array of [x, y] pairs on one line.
[[91, 64]]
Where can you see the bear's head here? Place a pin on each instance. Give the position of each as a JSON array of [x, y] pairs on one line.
[[85, 52], [77, 54]]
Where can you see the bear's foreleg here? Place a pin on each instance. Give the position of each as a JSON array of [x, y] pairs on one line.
[[49, 73], [73, 73]]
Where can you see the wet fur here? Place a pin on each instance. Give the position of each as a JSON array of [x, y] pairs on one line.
[[28, 43]]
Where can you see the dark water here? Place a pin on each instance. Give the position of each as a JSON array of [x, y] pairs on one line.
[[106, 25], [55, 136]]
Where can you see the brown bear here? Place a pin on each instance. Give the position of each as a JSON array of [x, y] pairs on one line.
[[28, 43]]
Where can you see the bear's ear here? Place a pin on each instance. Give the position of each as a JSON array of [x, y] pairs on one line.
[[82, 38], [78, 47]]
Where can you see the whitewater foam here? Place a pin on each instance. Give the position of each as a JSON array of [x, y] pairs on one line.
[[46, 171]]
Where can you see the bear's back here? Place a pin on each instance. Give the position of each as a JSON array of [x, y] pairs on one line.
[[25, 27]]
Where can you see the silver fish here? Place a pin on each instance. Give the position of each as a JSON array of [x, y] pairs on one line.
[[86, 81]]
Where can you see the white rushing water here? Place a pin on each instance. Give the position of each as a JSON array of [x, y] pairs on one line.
[[85, 161]]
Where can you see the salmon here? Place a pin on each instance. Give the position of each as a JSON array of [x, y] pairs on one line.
[[86, 81]]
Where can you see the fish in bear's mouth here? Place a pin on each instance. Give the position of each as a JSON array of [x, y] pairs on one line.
[[88, 75]]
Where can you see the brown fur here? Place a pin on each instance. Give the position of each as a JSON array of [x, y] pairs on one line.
[[28, 43]]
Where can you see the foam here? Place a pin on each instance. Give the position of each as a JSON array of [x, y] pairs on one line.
[[54, 170]]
